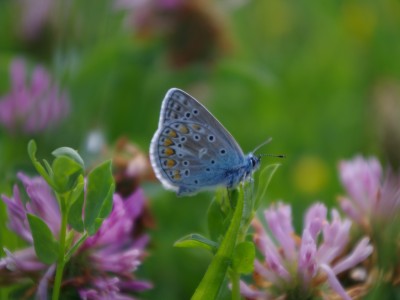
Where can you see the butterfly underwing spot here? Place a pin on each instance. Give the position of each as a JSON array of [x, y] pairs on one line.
[[185, 163], [212, 162], [208, 169], [222, 151], [166, 142], [176, 175], [195, 112], [169, 163], [168, 151], [186, 172], [196, 137], [183, 129], [211, 138], [183, 139], [196, 127], [172, 133], [196, 181], [176, 106]]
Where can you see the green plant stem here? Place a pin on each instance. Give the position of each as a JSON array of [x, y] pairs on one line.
[[214, 277], [235, 280], [75, 247], [60, 260]]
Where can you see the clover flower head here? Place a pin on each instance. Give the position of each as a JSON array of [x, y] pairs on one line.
[[102, 268], [302, 266], [371, 196], [32, 105]]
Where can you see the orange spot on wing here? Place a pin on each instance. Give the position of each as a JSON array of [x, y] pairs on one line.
[[183, 129], [173, 134], [168, 142], [169, 151], [170, 163], [176, 175]]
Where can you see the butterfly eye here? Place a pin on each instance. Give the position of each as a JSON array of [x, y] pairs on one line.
[[254, 162]]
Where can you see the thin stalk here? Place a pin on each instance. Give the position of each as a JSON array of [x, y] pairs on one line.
[[60, 260], [235, 289]]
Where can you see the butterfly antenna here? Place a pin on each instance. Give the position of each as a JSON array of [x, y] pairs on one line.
[[273, 155], [262, 144]]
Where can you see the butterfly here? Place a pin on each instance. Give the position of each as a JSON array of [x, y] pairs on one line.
[[191, 151]]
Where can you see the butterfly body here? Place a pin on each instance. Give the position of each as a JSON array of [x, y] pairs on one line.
[[191, 151]]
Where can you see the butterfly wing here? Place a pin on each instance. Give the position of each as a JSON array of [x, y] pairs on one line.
[[191, 150]]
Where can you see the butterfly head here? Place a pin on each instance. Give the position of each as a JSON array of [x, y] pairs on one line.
[[253, 163]]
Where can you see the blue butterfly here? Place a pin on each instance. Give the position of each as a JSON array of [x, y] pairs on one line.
[[191, 151]]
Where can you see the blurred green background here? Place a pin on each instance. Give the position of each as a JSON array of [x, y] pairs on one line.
[[320, 77]]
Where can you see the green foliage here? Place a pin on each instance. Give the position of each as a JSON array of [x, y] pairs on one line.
[[65, 176], [46, 246], [262, 183], [47, 173], [76, 208], [195, 240], [217, 215], [243, 258], [100, 190], [211, 284], [69, 153]]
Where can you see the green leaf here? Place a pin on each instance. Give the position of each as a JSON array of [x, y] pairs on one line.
[[71, 153], [76, 209], [32, 148], [46, 247], [215, 218], [106, 209], [263, 181], [195, 240], [66, 172], [243, 258], [99, 195]]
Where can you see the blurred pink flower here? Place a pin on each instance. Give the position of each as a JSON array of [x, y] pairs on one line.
[[32, 106], [102, 268], [292, 265], [34, 16], [372, 197]]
